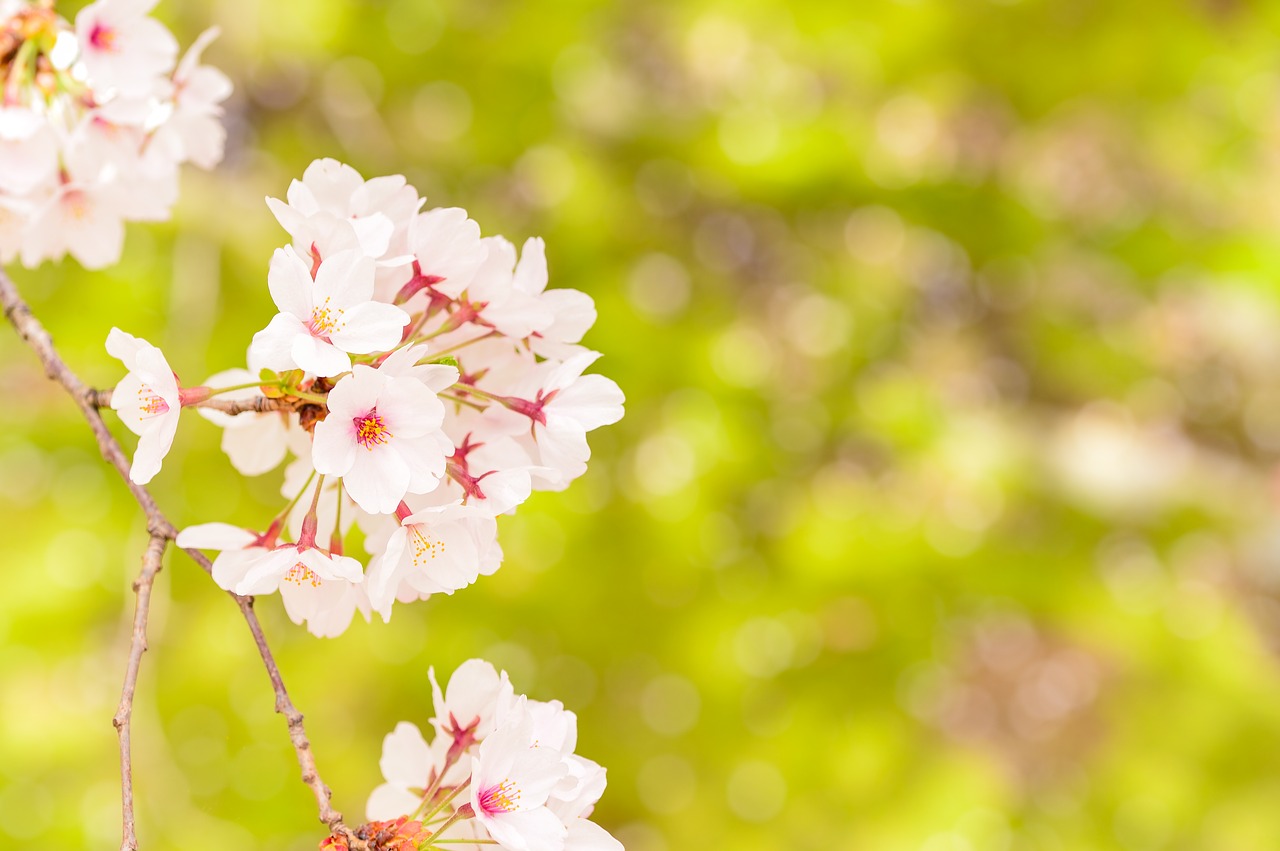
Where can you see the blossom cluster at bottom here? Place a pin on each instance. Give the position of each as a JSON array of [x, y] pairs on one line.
[[500, 769]]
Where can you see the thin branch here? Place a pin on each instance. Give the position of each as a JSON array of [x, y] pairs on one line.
[[88, 400], [151, 562], [256, 405]]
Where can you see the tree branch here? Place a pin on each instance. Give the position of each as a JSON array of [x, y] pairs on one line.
[[256, 405], [151, 562], [88, 400]]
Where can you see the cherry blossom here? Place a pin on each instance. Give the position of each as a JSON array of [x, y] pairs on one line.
[[514, 758], [511, 781], [382, 437], [121, 47], [422, 379], [323, 321], [147, 400], [96, 122]]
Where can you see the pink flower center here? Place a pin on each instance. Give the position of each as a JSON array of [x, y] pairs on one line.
[[76, 204], [150, 403], [102, 37], [371, 430], [503, 798], [324, 320]]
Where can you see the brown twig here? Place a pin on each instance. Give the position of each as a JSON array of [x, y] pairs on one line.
[[89, 400], [151, 562], [256, 405]]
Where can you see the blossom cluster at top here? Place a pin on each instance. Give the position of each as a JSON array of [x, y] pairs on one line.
[[500, 769], [95, 120], [423, 379]]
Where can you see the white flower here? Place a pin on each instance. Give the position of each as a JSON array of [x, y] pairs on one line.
[[147, 400], [511, 780], [122, 48], [382, 436], [556, 405], [28, 150], [513, 311], [323, 321], [194, 131], [317, 586], [435, 550], [447, 251], [410, 766], [238, 549], [573, 312], [83, 219], [468, 709], [379, 211], [255, 443]]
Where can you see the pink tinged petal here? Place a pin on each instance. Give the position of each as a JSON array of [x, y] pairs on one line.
[[272, 347], [332, 183], [564, 374], [256, 447], [447, 245], [317, 356], [503, 490], [424, 458], [302, 199], [301, 600], [389, 801], [473, 694], [333, 452], [378, 480], [575, 313], [406, 758], [438, 377], [537, 771], [127, 400], [264, 576], [531, 273], [28, 150], [231, 566], [345, 277], [331, 567], [374, 233], [401, 362], [581, 788], [358, 394], [215, 536], [410, 409], [154, 370], [532, 830], [370, 327], [390, 195], [335, 608], [95, 235], [289, 280], [492, 279], [588, 836], [383, 578], [564, 452], [125, 347], [591, 401], [153, 445], [293, 221]]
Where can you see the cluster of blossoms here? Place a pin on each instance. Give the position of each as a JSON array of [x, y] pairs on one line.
[[95, 121], [422, 378], [500, 769]]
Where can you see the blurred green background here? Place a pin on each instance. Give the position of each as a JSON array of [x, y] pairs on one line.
[[943, 516]]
